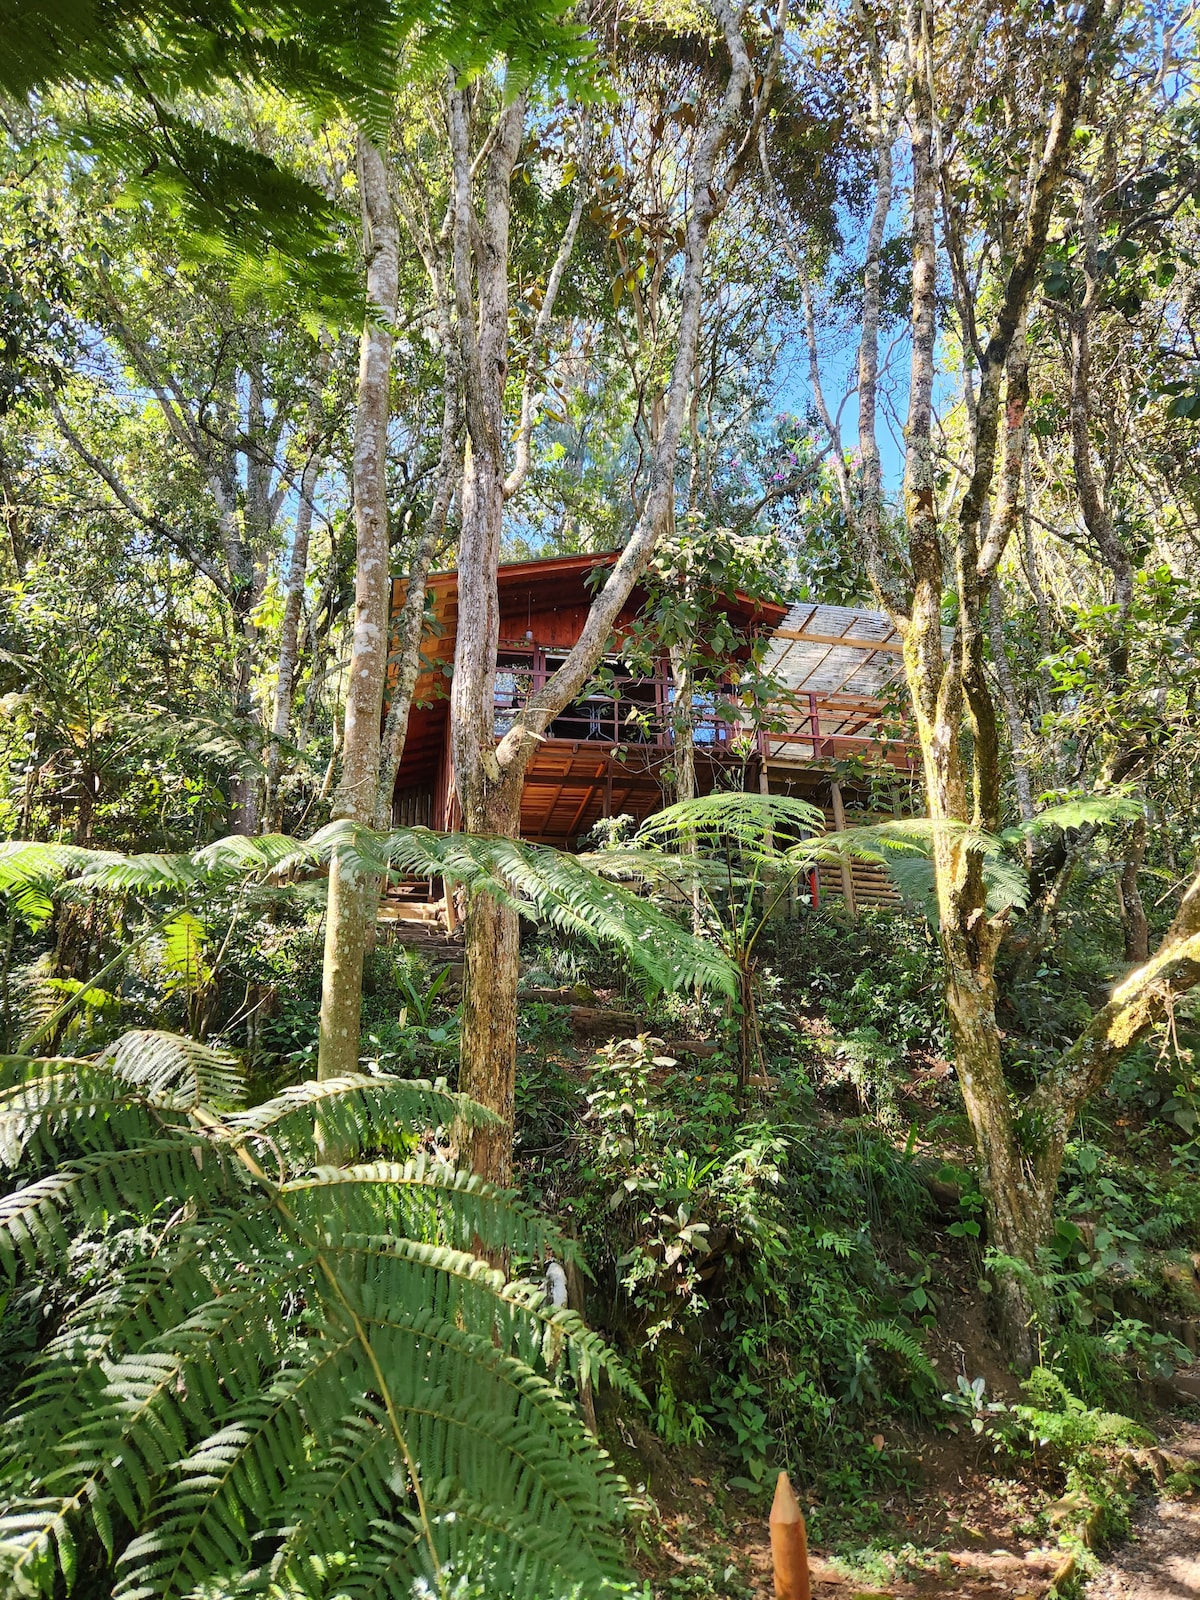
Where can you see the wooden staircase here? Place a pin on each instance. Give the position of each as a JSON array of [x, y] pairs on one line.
[[409, 915]]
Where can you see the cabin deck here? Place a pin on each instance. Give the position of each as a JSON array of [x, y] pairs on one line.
[[834, 727]]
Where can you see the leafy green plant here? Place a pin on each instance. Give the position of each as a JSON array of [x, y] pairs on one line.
[[880, 976], [727, 857], [420, 998], [541, 1022], [738, 1263], [969, 1400], [296, 1374]]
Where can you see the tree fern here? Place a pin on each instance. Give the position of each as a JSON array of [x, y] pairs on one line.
[[298, 1379], [542, 883], [904, 848]]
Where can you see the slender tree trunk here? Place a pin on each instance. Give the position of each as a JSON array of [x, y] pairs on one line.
[[490, 778], [1017, 733], [243, 788], [1019, 1211], [1096, 514], [289, 640], [293, 606], [1133, 911], [353, 893]]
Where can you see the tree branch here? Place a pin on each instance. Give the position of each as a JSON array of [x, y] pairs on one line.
[[1139, 1003], [146, 518], [525, 430]]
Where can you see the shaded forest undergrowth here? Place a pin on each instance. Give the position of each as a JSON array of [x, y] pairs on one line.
[[795, 1277], [799, 1281]]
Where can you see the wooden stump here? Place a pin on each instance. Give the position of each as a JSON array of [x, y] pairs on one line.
[[789, 1544]]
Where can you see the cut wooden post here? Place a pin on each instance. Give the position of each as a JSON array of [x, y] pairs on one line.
[[839, 823], [789, 1544]]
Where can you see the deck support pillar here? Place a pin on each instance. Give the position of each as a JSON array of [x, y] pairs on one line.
[[839, 823]]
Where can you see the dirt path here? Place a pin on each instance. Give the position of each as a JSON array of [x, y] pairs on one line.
[[1162, 1558]]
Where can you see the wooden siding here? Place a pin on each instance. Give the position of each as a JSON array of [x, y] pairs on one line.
[[543, 606]]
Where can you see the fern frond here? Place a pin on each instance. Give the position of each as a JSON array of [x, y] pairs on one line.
[[356, 1112], [750, 821], [307, 1361], [902, 1344], [557, 888], [173, 1071], [164, 1172], [76, 1095], [28, 862], [1094, 810], [541, 883], [904, 848], [422, 1200]]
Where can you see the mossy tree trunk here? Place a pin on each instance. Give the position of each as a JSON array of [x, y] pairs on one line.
[[955, 713]]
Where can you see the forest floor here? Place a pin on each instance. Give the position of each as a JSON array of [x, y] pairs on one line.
[[955, 1524], [956, 1530], [965, 1534], [1161, 1559]]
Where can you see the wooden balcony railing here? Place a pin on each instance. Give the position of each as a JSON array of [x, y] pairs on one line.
[[633, 711]]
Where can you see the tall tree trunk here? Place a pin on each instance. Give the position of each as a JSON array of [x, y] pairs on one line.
[[293, 605], [353, 893], [410, 624], [950, 691], [488, 1060], [243, 788], [490, 778], [490, 798]]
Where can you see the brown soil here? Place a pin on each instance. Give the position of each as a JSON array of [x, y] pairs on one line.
[[1161, 1561], [959, 1531], [986, 1561]]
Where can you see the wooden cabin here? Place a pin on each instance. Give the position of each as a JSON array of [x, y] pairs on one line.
[[611, 752]]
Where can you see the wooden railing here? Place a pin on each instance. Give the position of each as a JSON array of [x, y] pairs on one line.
[[639, 712], [629, 711]]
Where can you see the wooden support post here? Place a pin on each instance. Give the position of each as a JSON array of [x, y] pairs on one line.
[[768, 888], [789, 1544], [839, 823]]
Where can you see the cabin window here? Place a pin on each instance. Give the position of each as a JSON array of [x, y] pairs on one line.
[[514, 681], [708, 726]]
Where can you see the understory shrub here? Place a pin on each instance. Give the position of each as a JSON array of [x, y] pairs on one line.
[[753, 1264]]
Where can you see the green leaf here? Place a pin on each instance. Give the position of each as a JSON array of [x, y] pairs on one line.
[[281, 1355]]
